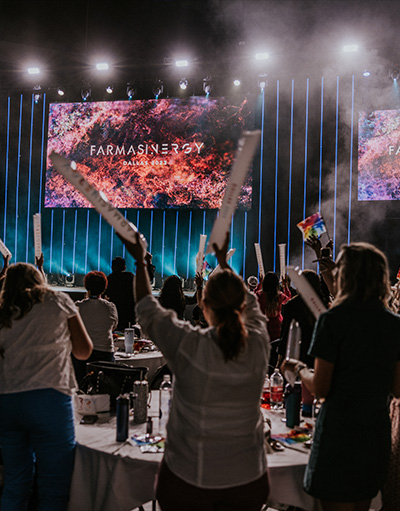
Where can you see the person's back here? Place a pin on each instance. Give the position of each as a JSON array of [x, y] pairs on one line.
[[120, 292]]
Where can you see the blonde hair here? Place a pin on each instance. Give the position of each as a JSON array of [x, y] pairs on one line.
[[362, 273], [23, 287], [225, 295]]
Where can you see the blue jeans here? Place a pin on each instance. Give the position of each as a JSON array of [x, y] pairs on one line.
[[37, 425]]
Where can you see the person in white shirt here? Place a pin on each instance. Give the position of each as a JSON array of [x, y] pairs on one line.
[[214, 453]]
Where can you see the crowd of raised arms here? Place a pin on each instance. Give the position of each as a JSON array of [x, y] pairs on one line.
[[215, 457]]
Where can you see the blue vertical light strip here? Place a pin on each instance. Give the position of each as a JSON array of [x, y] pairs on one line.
[[204, 222], [336, 165], [62, 242], [244, 245], [74, 241], [111, 245], [176, 239], [42, 152], [17, 184], [231, 239], [28, 205], [189, 238], [305, 166], [276, 171], [6, 169], [162, 247], [87, 240], [123, 245], [51, 239], [290, 177], [351, 157], [321, 146], [151, 231], [261, 163], [99, 246], [138, 220]]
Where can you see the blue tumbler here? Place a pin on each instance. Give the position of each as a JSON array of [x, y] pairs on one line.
[[293, 404]]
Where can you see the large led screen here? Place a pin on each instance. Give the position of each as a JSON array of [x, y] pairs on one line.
[[379, 155], [165, 153]]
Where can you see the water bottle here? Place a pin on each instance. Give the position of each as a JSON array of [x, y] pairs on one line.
[[266, 394], [165, 402], [292, 404], [276, 390], [122, 418]]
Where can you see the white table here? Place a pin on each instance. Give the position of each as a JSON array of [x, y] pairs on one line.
[[151, 359], [109, 475]]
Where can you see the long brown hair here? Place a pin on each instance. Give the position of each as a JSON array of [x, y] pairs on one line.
[[362, 273], [23, 287], [225, 295]]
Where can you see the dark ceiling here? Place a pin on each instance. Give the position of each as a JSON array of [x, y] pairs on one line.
[[141, 39]]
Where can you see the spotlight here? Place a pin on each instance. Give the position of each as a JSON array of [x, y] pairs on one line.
[[350, 48], [130, 90], [60, 91], [33, 70], [262, 56], [207, 85], [85, 93], [102, 66], [366, 73], [158, 88], [395, 74], [183, 84], [37, 98], [181, 63], [236, 82], [109, 89], [262, 81]]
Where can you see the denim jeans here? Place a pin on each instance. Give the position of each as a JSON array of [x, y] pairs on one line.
[[36, 426]]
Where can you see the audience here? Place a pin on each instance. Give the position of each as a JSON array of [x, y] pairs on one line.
[[100, 318], [219, 373], [354, 341], [120, 292], [39, 329]]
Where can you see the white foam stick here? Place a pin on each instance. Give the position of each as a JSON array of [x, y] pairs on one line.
[[282, 259], [4, 250], [200, 253], [293, 349], [247, 147], [37, 234], [229, 254], [259, 260], [97, 198], [308, 294]]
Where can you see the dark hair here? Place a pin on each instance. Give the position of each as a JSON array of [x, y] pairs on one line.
[[270, 286], [225, 295], [362, 274], [171, 295], [118, 264], [95, 282], [23, 287]]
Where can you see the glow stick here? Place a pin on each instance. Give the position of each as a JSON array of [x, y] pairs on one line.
[[259, 260], [229, 254], [282, 259], [4, 250], [308, 294], [247, 147], [200, 253], [97, 198], [37, 234]]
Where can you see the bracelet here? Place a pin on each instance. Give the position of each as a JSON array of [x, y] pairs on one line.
[[299, 367]]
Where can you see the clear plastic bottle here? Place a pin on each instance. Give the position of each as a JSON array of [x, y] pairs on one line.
[[276, 390], [266, 394], [165, 402]]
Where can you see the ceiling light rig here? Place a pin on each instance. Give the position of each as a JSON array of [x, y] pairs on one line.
[[158, 88]]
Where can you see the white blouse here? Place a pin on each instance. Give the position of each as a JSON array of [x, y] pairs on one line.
[[37, 348], [215, 435]]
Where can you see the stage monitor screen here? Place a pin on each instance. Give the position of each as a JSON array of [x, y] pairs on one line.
[[165, 153], [379, 155]]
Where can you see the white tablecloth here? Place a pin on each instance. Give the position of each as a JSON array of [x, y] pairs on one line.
[[151, 359], [110, 476]]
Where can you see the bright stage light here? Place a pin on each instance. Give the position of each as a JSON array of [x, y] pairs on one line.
[[350, 48], [181, 63], [60, 91], [102, 66], [85, 93], [262, 81], [236, 83], [33, 70], [158, 88], [109, 89], [207, 85], [366, 73], [262, 56], [130, 90], [183, 84]]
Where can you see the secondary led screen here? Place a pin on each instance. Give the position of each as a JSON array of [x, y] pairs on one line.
[[165, 153], [379, 155]]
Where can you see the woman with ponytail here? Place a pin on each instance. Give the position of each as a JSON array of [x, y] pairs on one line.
[[214, 452]]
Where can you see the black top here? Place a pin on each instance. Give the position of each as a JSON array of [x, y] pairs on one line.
[[120, 291]]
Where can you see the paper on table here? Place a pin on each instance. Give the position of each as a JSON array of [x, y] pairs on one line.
[[247, 147], [282, 259], [37, 233], [200, 253], [308, 294], [259, 260], [4, 250], [97, 198]]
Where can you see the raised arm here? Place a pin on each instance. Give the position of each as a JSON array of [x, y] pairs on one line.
[[82, 345]]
